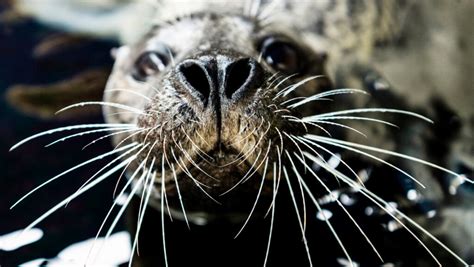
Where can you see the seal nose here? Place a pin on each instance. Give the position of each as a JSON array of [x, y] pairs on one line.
[[196, 78], [230, 79], [242, 78]]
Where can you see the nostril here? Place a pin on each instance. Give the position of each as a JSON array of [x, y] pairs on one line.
[[238, 76], [196, 78]]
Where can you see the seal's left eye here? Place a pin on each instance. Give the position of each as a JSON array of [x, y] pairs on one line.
[[148, 64], [282, 55]]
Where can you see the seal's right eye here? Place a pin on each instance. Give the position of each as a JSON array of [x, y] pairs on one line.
[[148, 64]]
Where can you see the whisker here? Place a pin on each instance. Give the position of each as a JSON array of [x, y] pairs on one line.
[[325, 94], [342, 126], [375, 199], [163, 196], [180, 197], [112, 162], [124, 170], [69, 128], [188, 173], [338, 203], [109, 135], [329, 118], [331, 142], [129, 91], [272, 219], [128, 200], [251, 132], [370, 110], [128, 137], [331, 228], [86, 133], [288, 90], [188, 157], [147, 187], [76, 194], [399, 155], [245, 176], [303, 201], [256, 200], [307, 143], [131, 146], [305, 241], [197, 147], [280, 83], [105, 104], [116, 201], [298, 120]]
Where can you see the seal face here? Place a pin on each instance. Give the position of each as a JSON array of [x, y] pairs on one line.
[[212, 107]]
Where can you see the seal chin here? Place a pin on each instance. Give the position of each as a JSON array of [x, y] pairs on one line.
[[227, 184]]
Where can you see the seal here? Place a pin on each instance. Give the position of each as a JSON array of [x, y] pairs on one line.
[[218, 110]]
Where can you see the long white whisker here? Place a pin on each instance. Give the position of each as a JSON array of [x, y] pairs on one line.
[[325, 94], [280, 83], [197, 183], [131, 146], [338, 203], [112, 162], [116, 201], [100, 103], [109, 135], [86, 133], [315, 124], [305, 241], [180, 197], [163, 195], [370, 110], [272, 219], [256, 199], [331, 118], [148, 186], [336, 236], [331, 142], [375, 199], [342, 126], [69, 128], [293, 87], [128, 200], [76, 194], [129, 91], [398, 155], [307, 143], [128, 137]]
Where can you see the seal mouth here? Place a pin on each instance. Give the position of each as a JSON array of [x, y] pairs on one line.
[[224, 181]]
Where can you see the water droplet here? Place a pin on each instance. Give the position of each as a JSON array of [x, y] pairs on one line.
[[345, 262], [412, 194], [391, 207], [334, 161], [456, 183], [347, 200], [315, 167], [431, 213], [369, 211], [363, 175], [324, 215], [392, 226]]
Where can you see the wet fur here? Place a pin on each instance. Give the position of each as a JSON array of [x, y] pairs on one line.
[[178, 128]]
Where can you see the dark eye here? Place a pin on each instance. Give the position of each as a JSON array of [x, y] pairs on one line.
[[148, 64], [282, 55]]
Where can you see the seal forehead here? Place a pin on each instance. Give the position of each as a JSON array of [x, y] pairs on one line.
[[204, 32]]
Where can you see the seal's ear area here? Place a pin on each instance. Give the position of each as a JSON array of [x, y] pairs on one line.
[[123, 20], [43, 101]]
